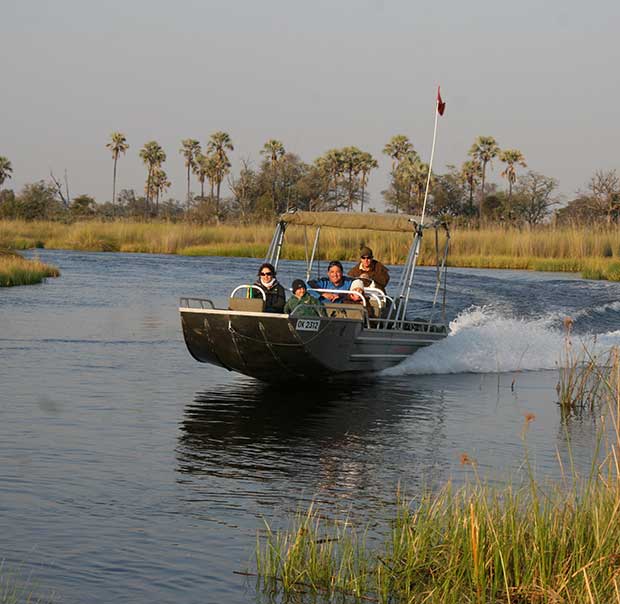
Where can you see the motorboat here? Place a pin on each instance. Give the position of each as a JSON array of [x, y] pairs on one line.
[[338, 338]]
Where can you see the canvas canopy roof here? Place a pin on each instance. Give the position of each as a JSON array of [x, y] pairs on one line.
[[353, 220]]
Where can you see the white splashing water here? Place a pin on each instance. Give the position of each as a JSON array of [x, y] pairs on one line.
[[483, 341]]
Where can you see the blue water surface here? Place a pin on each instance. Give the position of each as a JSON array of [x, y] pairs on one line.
[[131, 473]]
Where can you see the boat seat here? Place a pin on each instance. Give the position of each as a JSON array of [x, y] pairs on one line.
[[376, 306], [345, 311], [246, 304]]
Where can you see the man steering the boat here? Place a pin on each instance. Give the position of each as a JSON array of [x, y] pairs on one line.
[[335, 280], [370, 271]]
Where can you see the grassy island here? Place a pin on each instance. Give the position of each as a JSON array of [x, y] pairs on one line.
[[16, 270], [593, 251]]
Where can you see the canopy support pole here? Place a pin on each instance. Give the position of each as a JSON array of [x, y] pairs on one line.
[[402, 308], [275, 247], [314, 247]]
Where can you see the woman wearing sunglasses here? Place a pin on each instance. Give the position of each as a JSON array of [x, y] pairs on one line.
[[274, 292]]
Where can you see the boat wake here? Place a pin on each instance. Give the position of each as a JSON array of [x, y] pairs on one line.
[[482, 340]]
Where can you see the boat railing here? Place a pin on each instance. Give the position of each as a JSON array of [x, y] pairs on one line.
[[417, 325], [308, 310], [348, 292], [372, 297], [196, 303], [379, 294], [249, 288]]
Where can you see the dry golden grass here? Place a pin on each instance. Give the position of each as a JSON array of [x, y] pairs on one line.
[[15, 270], [595, 252]]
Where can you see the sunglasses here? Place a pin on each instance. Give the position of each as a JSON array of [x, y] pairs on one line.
[[266, 274], [366, 257]]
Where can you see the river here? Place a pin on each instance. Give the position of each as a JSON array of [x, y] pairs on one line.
[[131, 473]]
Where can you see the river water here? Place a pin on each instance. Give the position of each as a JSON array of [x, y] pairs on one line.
[[131, 473]]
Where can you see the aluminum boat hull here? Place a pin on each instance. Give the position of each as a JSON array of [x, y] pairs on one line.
[[274, 347]]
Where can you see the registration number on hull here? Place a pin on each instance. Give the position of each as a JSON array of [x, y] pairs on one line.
[[307, 325]]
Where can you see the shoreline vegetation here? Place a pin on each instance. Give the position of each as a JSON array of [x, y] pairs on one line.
[[594, 252], [17, 270], [17, 587], [533, 541]]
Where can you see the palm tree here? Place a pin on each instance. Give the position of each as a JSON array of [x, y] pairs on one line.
[[484, 150], [471, 171], [218, 168], [512, 158], [367, 163], [118, 144], [351, 166], [274, 151], [6, 170], [160, 184], [330, 165], [212, 166], [201, 170], [411, 177], [190, 149], [153, 157], [218, 144], [398, 148], [419, 180]]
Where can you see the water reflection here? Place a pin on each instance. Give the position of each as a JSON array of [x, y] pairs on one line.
[[335, 440]]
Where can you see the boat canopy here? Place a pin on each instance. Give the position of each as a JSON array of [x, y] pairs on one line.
[[403, 223]]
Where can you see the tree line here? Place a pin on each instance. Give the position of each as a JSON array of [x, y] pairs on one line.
[[337, 180]]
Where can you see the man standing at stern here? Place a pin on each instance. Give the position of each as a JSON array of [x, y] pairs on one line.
[[370, 271]]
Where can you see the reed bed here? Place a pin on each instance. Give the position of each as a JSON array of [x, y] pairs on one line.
[[15, 270], [544, 543], [17, 589], [580, 387], [592, 251]]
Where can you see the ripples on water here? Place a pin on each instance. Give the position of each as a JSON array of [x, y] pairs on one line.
[[129, 472]]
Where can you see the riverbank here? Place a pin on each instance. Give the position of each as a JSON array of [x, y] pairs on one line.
[[593, 252], [16, 270]]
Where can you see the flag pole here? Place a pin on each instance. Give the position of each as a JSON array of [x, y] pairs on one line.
[[402, 307], [438, 108]]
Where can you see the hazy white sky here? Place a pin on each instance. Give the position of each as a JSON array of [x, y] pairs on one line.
[[539, 76]]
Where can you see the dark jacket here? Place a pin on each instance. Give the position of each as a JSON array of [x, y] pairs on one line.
[[275, 296], [376, 272]]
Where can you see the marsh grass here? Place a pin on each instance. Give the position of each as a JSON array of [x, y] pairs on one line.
[[338, 562], [594, 252], [579, 381], [16, 270], [535, 542], [17, 589]]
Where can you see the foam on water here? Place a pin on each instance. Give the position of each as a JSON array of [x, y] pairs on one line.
[[611, 309], [481, 340]]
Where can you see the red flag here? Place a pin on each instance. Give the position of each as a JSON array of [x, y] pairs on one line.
[[441, 106]]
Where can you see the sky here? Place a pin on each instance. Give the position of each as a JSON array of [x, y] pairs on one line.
[[540, 76]]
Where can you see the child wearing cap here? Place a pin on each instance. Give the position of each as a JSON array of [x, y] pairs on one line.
[[301, 297]]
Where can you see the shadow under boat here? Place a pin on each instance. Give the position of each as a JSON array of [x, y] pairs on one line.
[[240, 427]]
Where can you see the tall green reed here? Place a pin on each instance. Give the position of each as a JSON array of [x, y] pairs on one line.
[[579, 380], [16, 588], [552, 541]]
